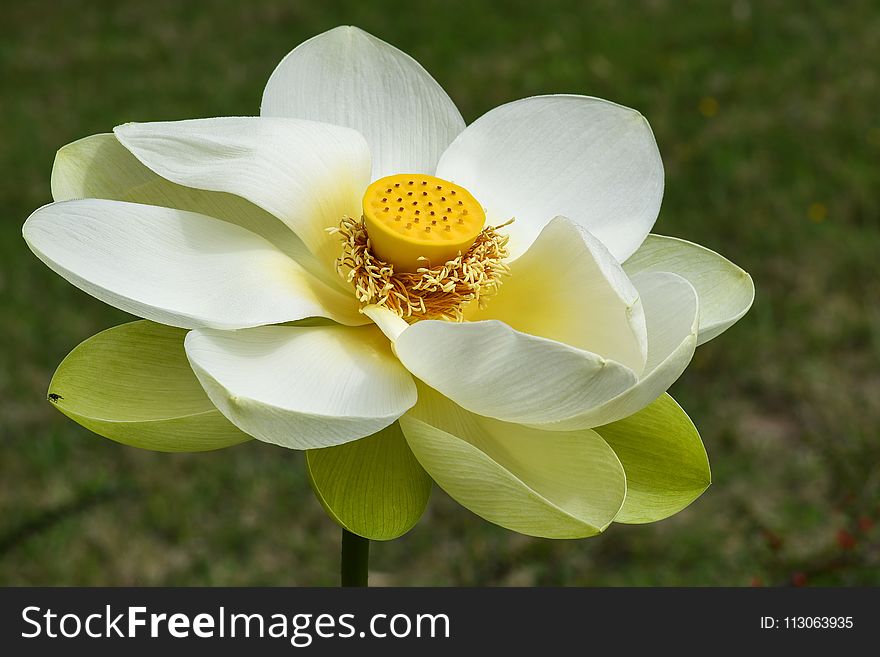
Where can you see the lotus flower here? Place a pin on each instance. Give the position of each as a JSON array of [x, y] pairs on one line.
[[358, 274]]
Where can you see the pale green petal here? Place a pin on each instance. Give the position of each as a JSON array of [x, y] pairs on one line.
[[664, 459], [373, 487], [725, 291], [539, 483], [133, 384]]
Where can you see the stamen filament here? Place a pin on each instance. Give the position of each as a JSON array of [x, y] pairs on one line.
[[431, 292]]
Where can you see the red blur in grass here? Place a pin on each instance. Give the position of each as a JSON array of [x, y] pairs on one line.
[[845, 540]]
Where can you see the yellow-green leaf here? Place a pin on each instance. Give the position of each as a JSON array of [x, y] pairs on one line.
[[133, 384], [373, 487], [664, 459]]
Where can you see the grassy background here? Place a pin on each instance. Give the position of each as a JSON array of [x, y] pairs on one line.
[[766, 116]]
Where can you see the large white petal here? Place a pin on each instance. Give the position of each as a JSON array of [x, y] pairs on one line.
[[569, 288], [672, 317], [305, 173], [540, 483], [350, 78], [726, 292], [99, 166], [584, 158], [491, 369], [178, 268], [302, 387]]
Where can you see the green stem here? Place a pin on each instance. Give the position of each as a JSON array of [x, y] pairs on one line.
[[355, 559]]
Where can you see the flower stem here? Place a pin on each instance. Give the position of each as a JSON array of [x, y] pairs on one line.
[[355, 558]]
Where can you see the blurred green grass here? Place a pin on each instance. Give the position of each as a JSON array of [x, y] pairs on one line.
[[766, 116]]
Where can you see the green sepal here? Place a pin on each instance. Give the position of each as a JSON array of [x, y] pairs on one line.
[[664, 459], [373, 487], [133, 384]]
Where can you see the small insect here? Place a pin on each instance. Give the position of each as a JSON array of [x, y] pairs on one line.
[[53, 397]]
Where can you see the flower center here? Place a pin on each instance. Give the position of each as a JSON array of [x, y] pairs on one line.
[[420, 249], [416, 221]]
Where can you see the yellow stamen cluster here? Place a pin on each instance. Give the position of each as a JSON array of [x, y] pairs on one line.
[[439, 292]]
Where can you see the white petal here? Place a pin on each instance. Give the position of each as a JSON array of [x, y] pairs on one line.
[[302, 388], [99, 166], [584, 158], [726, 292], [348, 77], [491, 369], [569, 288], [540, 483], [176, 267], [305, 173], [390, 323], [672, 316]]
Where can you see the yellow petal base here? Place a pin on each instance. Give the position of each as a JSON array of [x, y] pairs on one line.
[[418, 221]]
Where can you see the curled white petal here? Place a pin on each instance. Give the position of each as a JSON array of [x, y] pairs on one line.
[[491, 369], [390, 323], [308, 174], [98, 166], [672, 317], [568, 287], [302, 387]]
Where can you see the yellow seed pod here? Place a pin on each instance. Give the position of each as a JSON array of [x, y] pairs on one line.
[[413, 216]]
